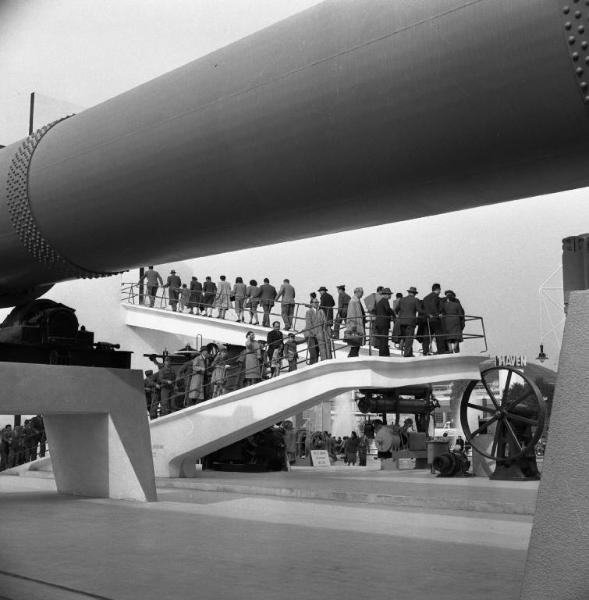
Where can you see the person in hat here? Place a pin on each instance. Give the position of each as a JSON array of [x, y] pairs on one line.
[[174, 284], [326, 304], [409, 308], [149, 388], [453, 321], [430, 324], [343, 300], [382, 322]]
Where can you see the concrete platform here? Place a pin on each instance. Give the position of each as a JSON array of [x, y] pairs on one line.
[[415, 488], [211, 545]]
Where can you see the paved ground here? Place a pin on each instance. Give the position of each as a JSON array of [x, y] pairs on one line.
[[219, 545], [416, 488]]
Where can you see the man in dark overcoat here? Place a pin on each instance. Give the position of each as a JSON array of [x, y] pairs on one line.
[[343, 300], [382, 322], [432, 308], [326, 304], [267, 297], [409, 308]]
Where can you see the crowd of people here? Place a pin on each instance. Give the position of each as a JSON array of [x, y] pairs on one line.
[[436, 321], [22, 443]]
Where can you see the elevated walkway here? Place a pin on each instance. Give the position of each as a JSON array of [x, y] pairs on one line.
[[179, 439]]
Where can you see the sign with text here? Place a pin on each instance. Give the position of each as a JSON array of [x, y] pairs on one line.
[[511, 360], [320, 458]]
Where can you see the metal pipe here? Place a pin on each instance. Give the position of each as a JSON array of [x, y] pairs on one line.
[[347, 115]]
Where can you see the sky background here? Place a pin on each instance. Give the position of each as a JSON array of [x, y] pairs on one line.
[[77, 53]]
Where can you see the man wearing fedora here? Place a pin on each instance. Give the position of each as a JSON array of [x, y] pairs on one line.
[[326, 303], [382, 322], [343, 300], [408, 310]]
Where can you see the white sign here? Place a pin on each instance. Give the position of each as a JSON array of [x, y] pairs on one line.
[[511, 360], [320, 458]]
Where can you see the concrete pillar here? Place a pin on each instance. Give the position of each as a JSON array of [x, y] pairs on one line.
[[557, 566]]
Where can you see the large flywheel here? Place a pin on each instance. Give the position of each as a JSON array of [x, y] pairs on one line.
[[503, 414]]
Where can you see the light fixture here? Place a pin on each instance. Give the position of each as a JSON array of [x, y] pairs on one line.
[[541, 355]]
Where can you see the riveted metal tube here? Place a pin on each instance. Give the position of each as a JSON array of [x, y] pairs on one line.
[[347, 115]]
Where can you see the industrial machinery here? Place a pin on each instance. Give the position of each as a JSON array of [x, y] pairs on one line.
[[503, 417], [44, 331], [416, 400]]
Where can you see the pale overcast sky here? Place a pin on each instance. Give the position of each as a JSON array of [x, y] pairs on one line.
[[77, 53]]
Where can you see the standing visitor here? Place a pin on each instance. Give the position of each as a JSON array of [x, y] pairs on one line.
[[198, 371], [310, 331], [382, 322], [165, 379], [184, 297], [195, 301], [174, 283], [267, 297], [363, 445], [355, 320], [432, 309], [153, 279], [239, 295], [383, 438], [351, 449], [223, 297], [343, 300], [323, 335], [274, 340], [409, 308], [287, 294], [453, 321], [253, 300], [326, 304], [209, 289], [253, 360], [290, 352], [219, 372]]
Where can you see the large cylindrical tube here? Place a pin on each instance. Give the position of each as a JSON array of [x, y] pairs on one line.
[[347, 115]]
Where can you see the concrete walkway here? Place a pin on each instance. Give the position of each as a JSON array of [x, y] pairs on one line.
[[416, 488], [212, 545]]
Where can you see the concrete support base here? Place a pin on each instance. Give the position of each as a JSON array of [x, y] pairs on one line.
[[96, 424], [556, 567]]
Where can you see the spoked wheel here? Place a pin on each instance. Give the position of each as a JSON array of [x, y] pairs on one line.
[[510, 407]]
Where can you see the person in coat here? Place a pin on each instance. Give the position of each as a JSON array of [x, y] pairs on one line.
[[239, 294], [154, 280], [274, 340], [326, 304], [382, 322], [290, 352], [173, 284], [253, 300], [286, 294], [223, 297], [195, 300], [310, 331], [453, 321], [355, 320], [165, 380], [409, 309], [323, 335], [219, 372], [209, 289], [267, 297], [253, 360], [351, 449], [432, 322], [343, 300], [196, 387]]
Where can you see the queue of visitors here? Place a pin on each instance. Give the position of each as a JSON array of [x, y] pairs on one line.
[[435, 321], [23, 443]]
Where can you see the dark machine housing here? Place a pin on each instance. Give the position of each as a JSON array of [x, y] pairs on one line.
[[47, 332]]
